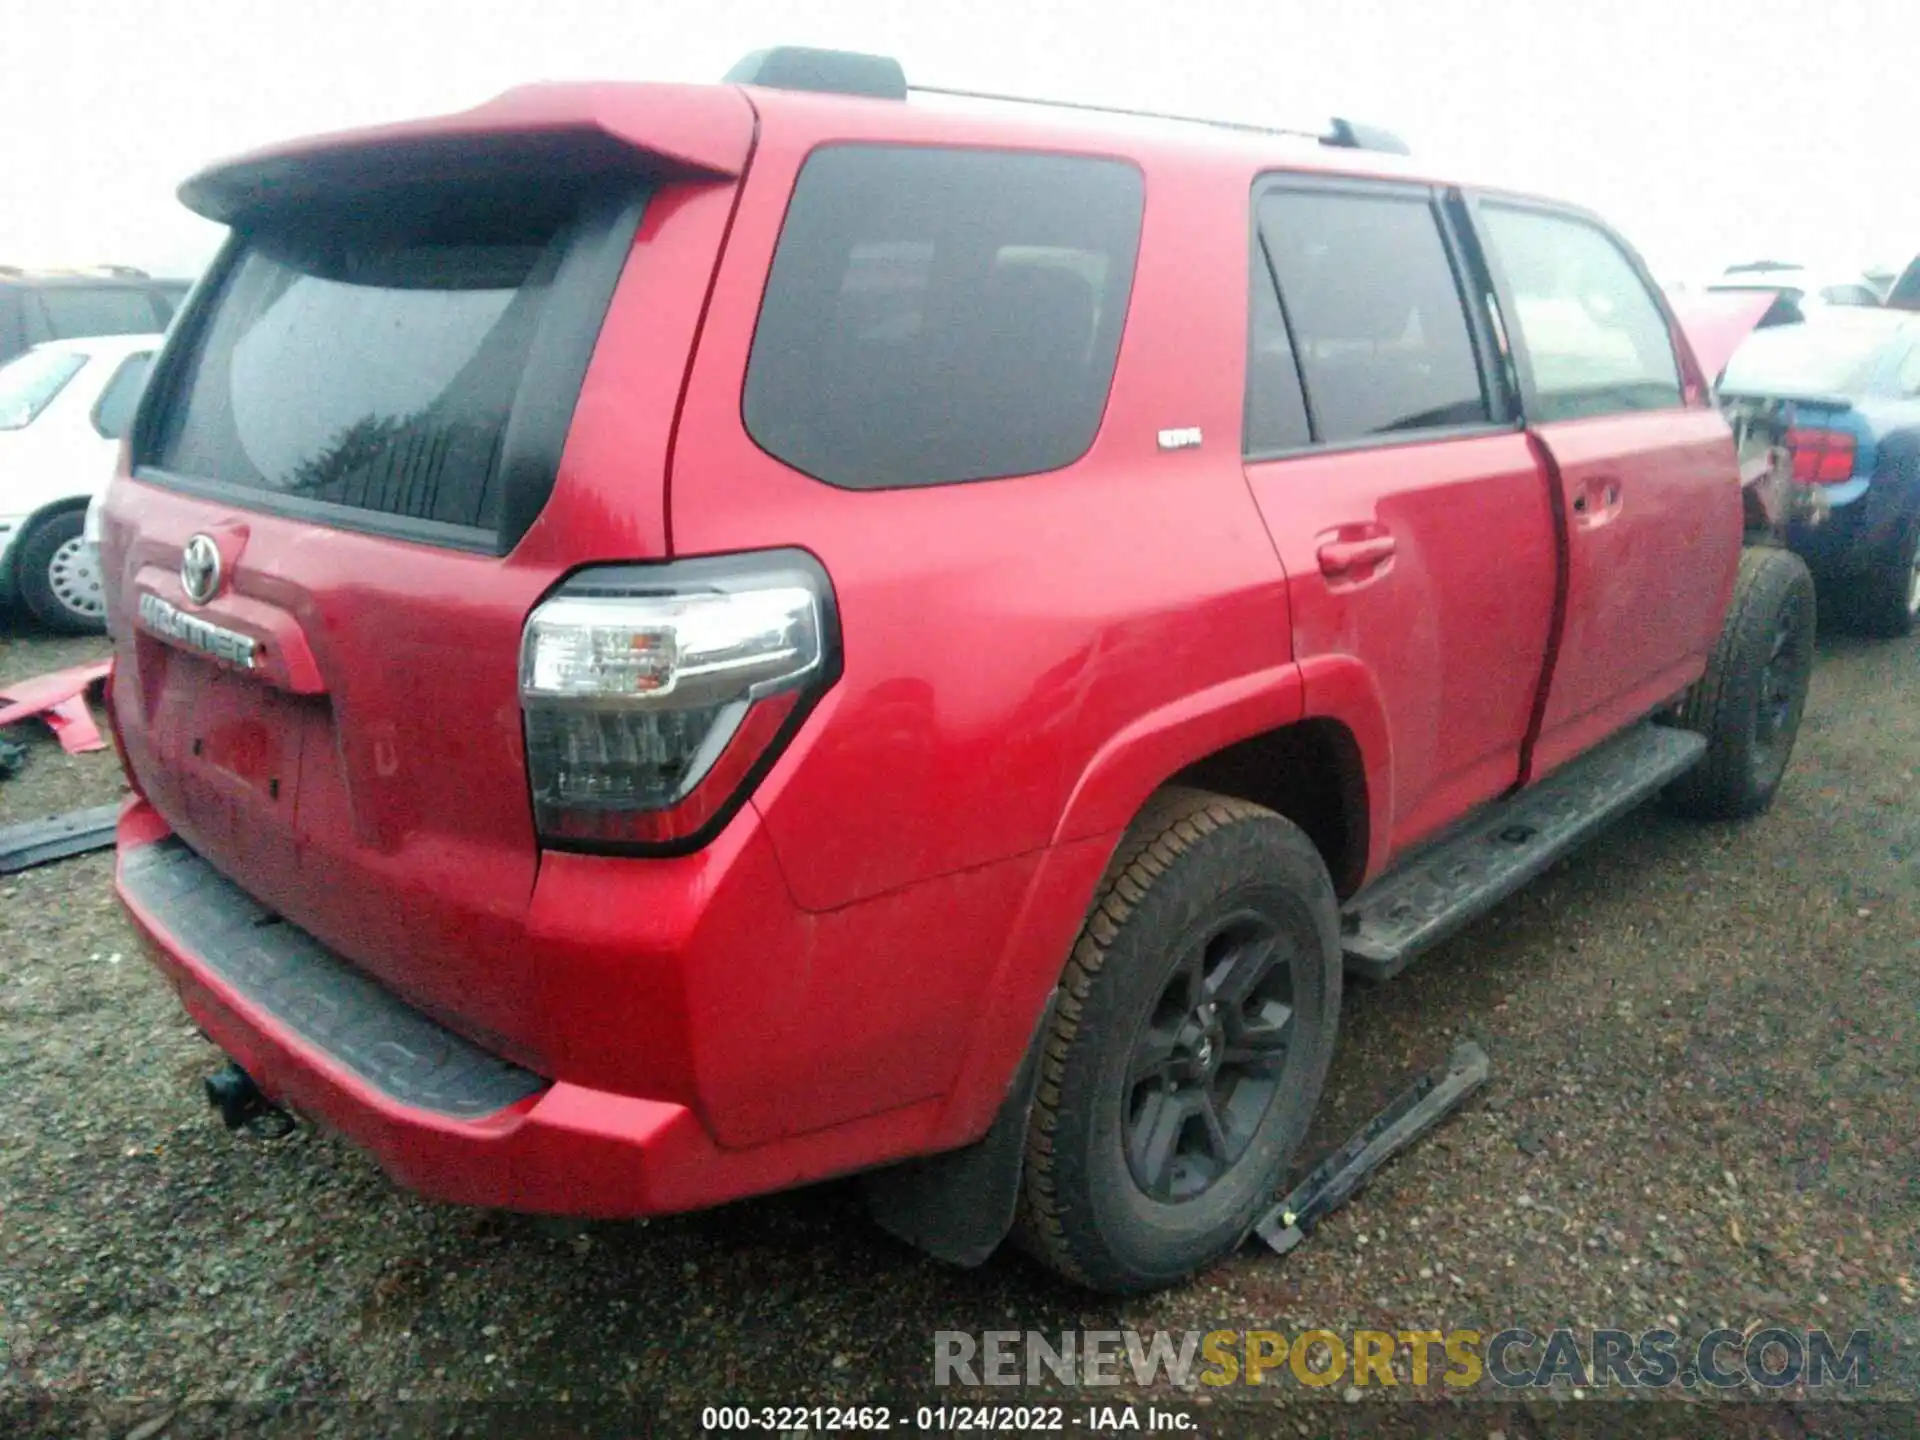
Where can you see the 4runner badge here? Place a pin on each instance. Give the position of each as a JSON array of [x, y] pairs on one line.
[[200, 569], [173, 623]]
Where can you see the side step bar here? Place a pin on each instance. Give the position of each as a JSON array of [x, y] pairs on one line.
[[1440, 888]]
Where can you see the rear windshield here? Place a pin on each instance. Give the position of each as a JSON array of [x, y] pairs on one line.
[[940, 315], [371, 366], [29, 382], [74, 311], [1807, 359]]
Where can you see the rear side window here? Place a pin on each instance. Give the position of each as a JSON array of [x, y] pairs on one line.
[[1375, 312], [29, 382], [73, 311], [1276, 406], [1597, 340], [373, 362], [113, 411], [942, 315]]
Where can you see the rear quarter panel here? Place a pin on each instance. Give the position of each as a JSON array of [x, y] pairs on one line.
[[1025, 659], [998, 634]]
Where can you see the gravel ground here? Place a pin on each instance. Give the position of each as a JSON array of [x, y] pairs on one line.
[[1706, 1043]]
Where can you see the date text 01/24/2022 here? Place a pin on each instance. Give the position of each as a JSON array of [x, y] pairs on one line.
[[936, 1419]]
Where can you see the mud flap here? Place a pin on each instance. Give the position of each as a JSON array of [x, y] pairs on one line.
[[958, 1206], [1334, 1181]]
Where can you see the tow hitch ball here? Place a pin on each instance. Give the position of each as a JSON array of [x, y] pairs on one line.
[[231, 1091]]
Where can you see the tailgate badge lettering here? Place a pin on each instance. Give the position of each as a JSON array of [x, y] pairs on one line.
[[200, 569], [172, 623]]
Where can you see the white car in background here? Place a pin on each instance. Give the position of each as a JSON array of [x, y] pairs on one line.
[[1799, 288], [63, 407]]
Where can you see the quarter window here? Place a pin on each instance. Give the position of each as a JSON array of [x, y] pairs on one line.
[[1375, 313], [1597, 340], [937, 315]]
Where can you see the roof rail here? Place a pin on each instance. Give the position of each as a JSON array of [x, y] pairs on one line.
[[880, 77], [1340, 134]]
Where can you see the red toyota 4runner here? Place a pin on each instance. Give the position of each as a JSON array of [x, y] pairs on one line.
[[674, 642]]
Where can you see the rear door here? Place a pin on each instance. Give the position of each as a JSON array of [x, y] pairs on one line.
[[1637, 454], [1410, 513]]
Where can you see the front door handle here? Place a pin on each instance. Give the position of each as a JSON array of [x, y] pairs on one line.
[[1343, 557]]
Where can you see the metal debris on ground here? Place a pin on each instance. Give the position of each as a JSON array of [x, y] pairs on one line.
[[1334, 1181], [74, 833], [60, 699]]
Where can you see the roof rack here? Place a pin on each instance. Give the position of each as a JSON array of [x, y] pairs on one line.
[[880, 77], [825, 72]]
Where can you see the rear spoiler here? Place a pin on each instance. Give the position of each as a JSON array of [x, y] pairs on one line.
[[677, 131]]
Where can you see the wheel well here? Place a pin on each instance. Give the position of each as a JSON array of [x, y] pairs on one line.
[[1311, 773]]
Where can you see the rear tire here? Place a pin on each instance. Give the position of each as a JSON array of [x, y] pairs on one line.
[[1195, 1024], [1885, 601], [1749, 703], [57, 578]]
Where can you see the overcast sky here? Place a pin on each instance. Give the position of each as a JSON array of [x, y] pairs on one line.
[[1708, 130]]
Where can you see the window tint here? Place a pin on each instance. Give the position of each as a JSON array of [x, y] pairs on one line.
[[1276, 408], [1598, 342], [370, 364], [1375, 313], [939, 315], [1850, 295], [1905, 294], [77, 310], [29, 382], [114, 409]]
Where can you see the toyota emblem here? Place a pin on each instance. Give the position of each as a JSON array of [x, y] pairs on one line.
[[200, 569]]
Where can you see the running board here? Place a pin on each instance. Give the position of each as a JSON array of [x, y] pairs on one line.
[[1440, 888]]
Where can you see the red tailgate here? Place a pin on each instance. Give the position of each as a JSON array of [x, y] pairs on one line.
[[398, 424]]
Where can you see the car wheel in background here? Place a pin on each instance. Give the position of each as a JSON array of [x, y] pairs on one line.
[[58, 576], [1885, 600], [1748, 704]]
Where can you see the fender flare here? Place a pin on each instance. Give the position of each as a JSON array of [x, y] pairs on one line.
[[1124, 772], [1137, 760], [1341, 687], [958, 1205]]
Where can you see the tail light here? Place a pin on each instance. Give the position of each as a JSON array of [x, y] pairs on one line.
[[655, 696], [1820, 456]]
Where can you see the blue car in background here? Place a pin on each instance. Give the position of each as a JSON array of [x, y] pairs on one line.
[[1848, 380]]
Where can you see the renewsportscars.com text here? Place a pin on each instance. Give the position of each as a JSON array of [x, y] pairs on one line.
[[1458, 1359]]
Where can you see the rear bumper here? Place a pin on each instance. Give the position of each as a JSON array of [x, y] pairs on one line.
[[441, 1116]]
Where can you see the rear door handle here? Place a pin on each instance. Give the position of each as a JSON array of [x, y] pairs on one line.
[[1597, 499], [1342, 557]]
